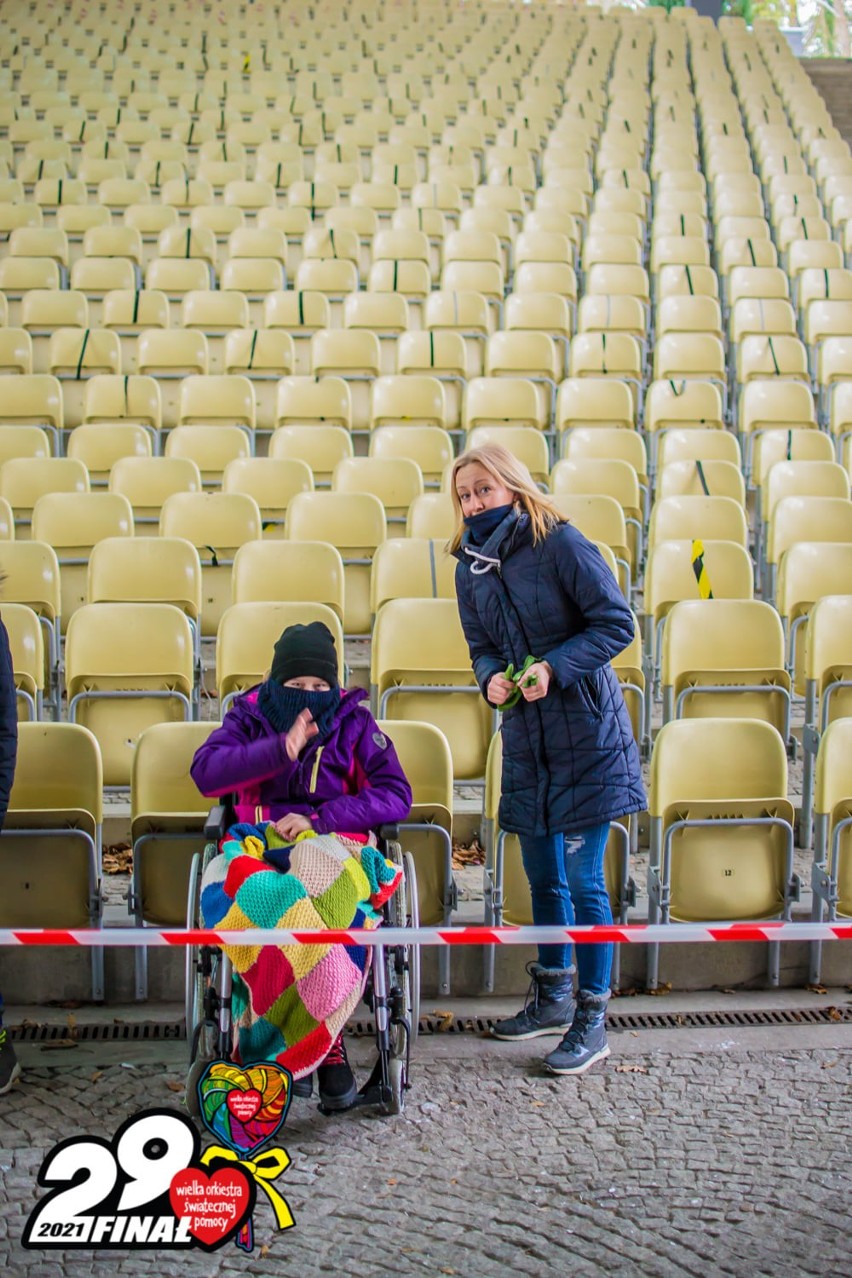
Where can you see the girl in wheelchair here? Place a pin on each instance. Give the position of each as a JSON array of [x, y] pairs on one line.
[[310, 760]]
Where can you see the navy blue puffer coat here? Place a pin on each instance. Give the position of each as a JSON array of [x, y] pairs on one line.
[[569, 760]]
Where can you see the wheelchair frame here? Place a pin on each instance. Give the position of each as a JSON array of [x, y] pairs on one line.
[[393, 991]]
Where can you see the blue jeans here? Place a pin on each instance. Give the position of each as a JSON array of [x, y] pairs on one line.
[[567, 886]]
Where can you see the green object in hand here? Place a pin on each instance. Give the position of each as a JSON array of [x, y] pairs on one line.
[[517, 678]]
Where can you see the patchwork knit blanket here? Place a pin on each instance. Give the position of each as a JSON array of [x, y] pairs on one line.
[[290, 1002]]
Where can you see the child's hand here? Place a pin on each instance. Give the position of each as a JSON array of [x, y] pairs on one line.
[[499, 689], [536, 681], [291, 825], [300, 734]]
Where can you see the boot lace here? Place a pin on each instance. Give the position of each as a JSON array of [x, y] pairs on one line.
[[533, 998], [578, 1028], [337, 1055]]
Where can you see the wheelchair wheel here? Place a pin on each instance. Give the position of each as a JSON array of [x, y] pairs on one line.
[[412, 920], [203, 969], [404, 962], [398, 1081]]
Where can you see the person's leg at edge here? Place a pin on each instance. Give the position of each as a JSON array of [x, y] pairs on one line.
[[9, 1067], [549, 1005], [585, 1043]]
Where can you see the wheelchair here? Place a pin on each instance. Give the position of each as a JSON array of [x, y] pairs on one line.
[[393, 986]]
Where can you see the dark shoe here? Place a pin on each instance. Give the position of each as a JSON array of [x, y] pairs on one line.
[[337, 1087], [585, 1043], [9, 1067], [304, 1087], [548, 1008]]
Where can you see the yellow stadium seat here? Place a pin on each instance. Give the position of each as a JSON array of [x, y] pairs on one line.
[[248, 633], [72, 523], [422, 671], [53, 828], [831, 869], [139, 654], [168, 814], [217, 524], [724, 658], [353, 522], [827, 684], [285, 571], [705, 773]]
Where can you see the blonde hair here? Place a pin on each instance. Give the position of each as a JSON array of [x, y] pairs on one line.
[[514, 475]]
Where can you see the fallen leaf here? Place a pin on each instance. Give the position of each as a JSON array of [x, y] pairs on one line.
[[97, 1074], [391, 1181], [447, 1270], [264, 1251], [71, 1022], [118, 858], [59, 1044], [174, 1086], [828, 1064], [834, 1014], [538, 1103], [816, 989], [664, 987], [445, 1020], [631, 1069], [727, 991], [634, 1033]]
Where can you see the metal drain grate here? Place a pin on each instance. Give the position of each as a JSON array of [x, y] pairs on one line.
[[617, 1022], [123, 1032]]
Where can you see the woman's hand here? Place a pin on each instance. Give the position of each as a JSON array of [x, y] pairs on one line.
[[292, 824], [500, 689], [300, 734], [542, 673]]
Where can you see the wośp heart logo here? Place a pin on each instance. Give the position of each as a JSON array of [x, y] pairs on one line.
[[153, 1187]]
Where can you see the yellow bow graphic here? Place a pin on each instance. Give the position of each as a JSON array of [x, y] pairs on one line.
[[269, 1166]]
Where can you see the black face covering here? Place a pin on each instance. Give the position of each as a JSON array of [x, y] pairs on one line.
[[282, 706], [481, 526]]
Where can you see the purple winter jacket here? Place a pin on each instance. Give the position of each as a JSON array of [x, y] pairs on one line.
[[351, 782]]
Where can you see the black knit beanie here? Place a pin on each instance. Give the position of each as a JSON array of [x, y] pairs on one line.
[[305, 650]]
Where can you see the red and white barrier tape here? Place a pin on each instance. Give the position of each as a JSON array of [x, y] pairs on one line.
[[641, 933]]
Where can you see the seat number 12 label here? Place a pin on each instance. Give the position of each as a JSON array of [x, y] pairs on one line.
[[144, 1190]]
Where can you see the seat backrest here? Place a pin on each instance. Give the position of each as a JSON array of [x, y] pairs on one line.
[[670, 576], [146, 569], [420, 636], [285, 571], [58, 771], [160, 783], [827, 642], [726, 761], [715, 518], [411, 567], [722, 635], [31, 577], [248, 633], [354, 522], [221, 521], [798, 519], [128, 645]]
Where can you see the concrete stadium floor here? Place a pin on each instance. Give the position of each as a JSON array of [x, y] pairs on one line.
[[712, 1151]]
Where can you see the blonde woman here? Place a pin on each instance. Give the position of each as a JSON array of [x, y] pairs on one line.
[[531, 588]]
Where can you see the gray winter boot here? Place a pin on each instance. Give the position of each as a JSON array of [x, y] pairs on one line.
[[585, 1041], [548, 1008]]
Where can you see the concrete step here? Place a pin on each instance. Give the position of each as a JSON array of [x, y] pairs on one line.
[[832, 78]]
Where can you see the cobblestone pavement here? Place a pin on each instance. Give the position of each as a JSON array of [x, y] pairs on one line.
[[685, 1154]]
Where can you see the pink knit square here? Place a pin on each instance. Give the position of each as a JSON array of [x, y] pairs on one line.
[[328, 984]]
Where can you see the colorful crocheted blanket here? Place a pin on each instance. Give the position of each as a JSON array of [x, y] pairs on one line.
[[290, 1002]]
